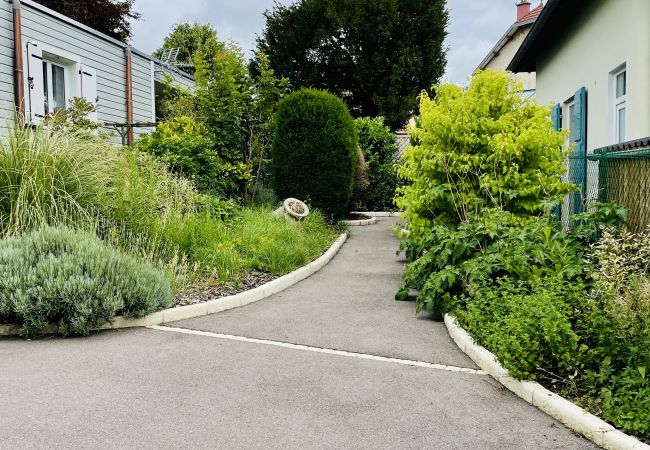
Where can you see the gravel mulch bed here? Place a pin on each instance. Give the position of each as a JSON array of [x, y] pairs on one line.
[[205, 292]]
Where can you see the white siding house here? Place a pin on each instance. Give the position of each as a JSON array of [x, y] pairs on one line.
[[63, 59]]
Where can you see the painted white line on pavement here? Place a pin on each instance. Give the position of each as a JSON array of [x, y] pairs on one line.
[[329, 351]]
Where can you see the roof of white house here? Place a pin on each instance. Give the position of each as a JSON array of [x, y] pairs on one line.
[[167, 67]]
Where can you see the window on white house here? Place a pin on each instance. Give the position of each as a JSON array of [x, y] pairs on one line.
[[54, 77], [54, 87], [620, 105]]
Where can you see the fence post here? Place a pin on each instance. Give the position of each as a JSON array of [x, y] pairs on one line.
[[603, 164]]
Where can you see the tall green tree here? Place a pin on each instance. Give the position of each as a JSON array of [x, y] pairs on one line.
[[378, 55], [111, 17], [190, 39]]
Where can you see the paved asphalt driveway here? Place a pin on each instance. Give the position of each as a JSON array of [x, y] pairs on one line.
[[267, 376]]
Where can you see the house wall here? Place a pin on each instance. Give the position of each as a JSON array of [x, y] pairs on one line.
[[6, 63], [103, 54], [605, 35], [162, 73], [507, 52]]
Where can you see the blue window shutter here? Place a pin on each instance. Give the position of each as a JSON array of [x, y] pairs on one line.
[[556, 117], [578, 168]]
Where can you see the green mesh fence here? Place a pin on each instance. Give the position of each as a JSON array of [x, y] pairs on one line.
[[617, 174]]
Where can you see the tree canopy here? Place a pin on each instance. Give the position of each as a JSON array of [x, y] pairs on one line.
[[111, 17], [190, 39], [378, 55]]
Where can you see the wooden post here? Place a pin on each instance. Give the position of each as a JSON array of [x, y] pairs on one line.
[[19, 80], [129, 93]]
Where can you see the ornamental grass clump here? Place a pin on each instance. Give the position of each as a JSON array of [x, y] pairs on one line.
[[72, 280], [53, 177]]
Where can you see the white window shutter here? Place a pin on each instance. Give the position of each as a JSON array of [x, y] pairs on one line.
[[35, 101], [89, 88]]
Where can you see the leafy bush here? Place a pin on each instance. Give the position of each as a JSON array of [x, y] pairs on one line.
[[528, 328], [74, 117], [620, 258], [52, 176], [491, 246], [236, 110], [73, 280], [379, 148], [484, 173], [586, 335], [268, 90], [186, 147], [483, 147], [615, 322], [314, 147]]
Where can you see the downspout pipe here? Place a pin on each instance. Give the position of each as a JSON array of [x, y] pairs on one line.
[[19, 76], [129, 93]]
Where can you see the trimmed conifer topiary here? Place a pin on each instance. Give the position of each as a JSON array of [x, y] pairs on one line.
[[314, 151]]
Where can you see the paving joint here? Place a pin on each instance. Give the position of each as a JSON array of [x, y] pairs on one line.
[[323, 350]]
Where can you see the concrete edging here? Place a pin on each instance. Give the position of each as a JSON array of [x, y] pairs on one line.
[[216, 305], [570, 414], [360, 222], [379, 213]]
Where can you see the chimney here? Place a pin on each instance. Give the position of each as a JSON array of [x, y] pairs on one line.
[[523, 8]]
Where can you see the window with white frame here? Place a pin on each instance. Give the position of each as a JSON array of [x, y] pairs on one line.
[[55, 94], [619, 105], [54, 77]]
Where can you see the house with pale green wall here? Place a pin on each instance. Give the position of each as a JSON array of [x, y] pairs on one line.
[[592, 59]]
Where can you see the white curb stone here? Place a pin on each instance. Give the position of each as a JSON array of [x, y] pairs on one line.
[[216, 305], [570, 414], [379, 213], [361, 222]]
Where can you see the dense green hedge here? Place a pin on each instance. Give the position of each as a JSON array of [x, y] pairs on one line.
[[73, 280], [379, 148], [314, 151]]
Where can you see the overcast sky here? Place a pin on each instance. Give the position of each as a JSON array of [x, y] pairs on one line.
[[474, 28]]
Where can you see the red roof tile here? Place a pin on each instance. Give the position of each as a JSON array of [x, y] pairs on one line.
[[533, 13]]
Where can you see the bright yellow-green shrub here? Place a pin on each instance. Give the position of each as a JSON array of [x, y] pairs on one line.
[[480, 147]]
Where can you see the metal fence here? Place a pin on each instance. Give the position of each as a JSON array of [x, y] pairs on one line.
[[618, 174]]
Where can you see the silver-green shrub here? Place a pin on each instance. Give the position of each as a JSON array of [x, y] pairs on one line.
[[71, 279]]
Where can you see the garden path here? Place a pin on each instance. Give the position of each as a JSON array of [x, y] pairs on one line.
[[333, 362]]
